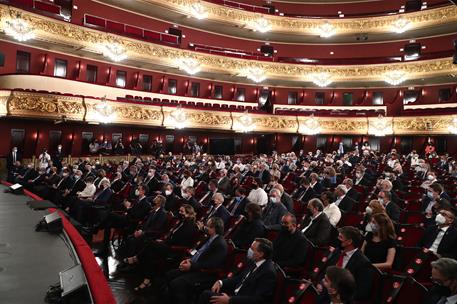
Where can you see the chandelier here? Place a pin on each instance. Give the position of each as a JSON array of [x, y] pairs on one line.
[[321, 79], [255, 74], [381, 126], [453, 127], [190, 65], [104, 112], [198, 10], [261, 25], [178, 118], [19, 29], [245, 123], [310, 126], [114, 51], [326, 30], [401, 25], [395, 77]]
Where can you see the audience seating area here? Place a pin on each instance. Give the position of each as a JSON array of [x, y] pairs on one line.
[[44, 6], [229, 52]]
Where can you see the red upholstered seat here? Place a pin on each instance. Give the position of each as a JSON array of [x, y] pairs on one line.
[[114, 26], [47, 7], [133, 31], [150, 35]]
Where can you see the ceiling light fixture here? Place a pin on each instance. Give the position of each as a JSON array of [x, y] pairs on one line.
[[198, 10], [261, 25], [310, 126], [190, 65], [178, 118], [104, 112], [395, 77], [326, 30], [401, 25], [114, 51], [19, 29], [245, 123], [255, 74], [380, 126], [321, 79]]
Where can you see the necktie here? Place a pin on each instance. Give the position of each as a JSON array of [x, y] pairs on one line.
[[200, 251], [340, 260], [244, 280], [235, 206], [14, 157]]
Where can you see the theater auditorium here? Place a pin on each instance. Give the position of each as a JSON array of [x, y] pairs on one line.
[[228, 151]]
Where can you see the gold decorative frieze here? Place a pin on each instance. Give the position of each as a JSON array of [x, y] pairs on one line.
[[59, 32], [312, 26], [4, 96], [45, 106], [52, 107]]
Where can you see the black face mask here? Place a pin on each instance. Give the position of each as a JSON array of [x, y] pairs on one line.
[[284, 229]]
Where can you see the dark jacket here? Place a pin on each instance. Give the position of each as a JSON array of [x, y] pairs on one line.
[[272, 215], [319, 231], [247, 232], [346, 204], [213, 257], [290, 249], [220, 212], [393, 211], [139, 210], [257, 288], [237, 208], [155, 223], [448, 244], [183, 235]]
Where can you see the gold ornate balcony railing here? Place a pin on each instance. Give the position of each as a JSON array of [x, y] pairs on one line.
[[20, 104], [89, 40], [309, 26]]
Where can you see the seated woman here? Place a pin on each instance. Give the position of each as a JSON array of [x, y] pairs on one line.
[[250, 229], [157, 251], [379, 245], [374, 207]]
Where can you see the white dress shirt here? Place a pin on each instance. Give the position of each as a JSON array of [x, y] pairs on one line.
[[333, 213], [188, 182], [438, 239], [258, 196], [348, 256], [89, 191]]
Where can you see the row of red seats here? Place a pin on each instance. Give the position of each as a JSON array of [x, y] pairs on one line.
[[426, 112], [229, 52], [243, 6], [44, 6], [190, 104], [331, 112], [129, 30]]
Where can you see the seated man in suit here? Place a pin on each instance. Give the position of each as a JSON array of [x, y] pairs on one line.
[[444, 277], [290, 245], [191, 272], [239, 203], [251, 228], [343, 201], [188, 196], [223, 184], [308, 192], [339, 284], [392, 209], [286, 199], [171, 203], [212, 189], [316, 226], [274, 211], [254, 285], [351, 192], [316, 184], [218, 209], [351, 258], [442, 238], [435, 192], [28, 174]]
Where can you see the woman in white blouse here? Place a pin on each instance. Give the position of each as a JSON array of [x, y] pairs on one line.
[[187, 181], [330, 209]]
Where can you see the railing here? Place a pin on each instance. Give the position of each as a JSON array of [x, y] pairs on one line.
[[44, 6], [128, 30], [229, 52], [243, 6]]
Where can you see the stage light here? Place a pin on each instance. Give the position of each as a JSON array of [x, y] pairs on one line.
[[19, 29]]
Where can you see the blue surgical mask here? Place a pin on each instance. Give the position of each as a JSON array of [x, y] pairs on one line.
[[430, 194], [250, 254]]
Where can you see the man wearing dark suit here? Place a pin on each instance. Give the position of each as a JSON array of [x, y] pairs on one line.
[[206, 200], [361, 178], [435, 192], [223, 184], [151, 181], [152, 228], [286, 199], [51, 180], [219, 210], [57, 157], [264, 174], [188, 196], [344, 202], [76, 186], [12, 158], [392, 209], [308, 192], [239, 203], [289, 248], [171, 203], [444, 277], [254, 285], [351, 192], [250, 229], [274, 211], [101, 198], [442, 238], [191, 271], [316, 226], [351, 258], [28, 174], [315, 183]]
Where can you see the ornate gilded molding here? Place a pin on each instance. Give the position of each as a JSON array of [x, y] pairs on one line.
[[342, 26], [52, 107], [4, 96], [23, 104], [59, 32]]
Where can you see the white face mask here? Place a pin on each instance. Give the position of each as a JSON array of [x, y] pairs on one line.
[[273, 200], [440, 219], [381, 201], [137, 192], [185, 195], [430, 177], [368, 210], [150, 174], [167, 192]]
